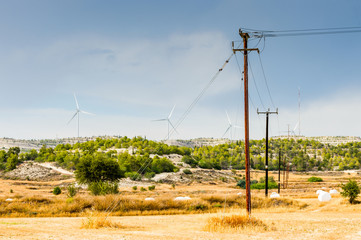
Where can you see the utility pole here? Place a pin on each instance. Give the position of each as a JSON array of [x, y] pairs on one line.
[[284, 173], [245, 51], [266, 165], [279, 171]]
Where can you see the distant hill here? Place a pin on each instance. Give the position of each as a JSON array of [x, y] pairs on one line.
[[26, 145]]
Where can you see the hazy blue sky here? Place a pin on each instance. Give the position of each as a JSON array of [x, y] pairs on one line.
[[130, 62]]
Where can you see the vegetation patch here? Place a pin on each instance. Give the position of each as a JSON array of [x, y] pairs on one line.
[[99, 221], [350, 190], [315, 179], [234, 223]]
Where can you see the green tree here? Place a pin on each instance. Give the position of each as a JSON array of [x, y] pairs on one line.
[[97, 168], [11, 162], [350, 190]]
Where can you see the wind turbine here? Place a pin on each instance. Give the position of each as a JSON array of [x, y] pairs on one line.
[[169, 122], [230, 126], [78, 111]]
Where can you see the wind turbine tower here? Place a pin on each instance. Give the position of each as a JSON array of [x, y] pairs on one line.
[[169, 122], [230, 126], [77, 113]]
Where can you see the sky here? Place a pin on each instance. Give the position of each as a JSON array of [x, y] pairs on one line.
[[131, 62]]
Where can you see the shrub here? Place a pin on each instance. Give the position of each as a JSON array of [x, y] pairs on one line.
[[270, 179], [315, 179], [242, 183], [350, 190], [271, 185], [187, 171], [96, 168], [135, 188], [56, 191], [149, 175], [133, 175], [143, 189], [103, 188], [72, 190], [151, 188]]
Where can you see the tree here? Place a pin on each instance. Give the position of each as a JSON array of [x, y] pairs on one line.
[[11, 162], [350, 190], [97, 168]]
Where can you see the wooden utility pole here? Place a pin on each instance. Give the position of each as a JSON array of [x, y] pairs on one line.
[[279, 171], [266, 164], [245, 51]]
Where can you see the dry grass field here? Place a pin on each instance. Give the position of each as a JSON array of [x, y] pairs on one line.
[[298, 215]]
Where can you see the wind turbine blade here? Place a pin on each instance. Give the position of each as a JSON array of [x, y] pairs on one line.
[[172, 126], [164, 119], [76, 101], [229, 120], [226, 131], [87, 112], [296, 126], [72, 117], [171, 112]]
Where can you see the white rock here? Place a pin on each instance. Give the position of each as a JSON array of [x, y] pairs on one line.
[[182, 198], [239, 194], [274, 195], [324, 197], [9, 200], [333, 191], [149, 199]]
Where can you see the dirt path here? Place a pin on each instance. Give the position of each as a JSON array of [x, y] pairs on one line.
[[297, 225]]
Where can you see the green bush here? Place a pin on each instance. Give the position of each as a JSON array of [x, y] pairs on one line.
[[133, 175], [149, 175], [56, 191], [103, 188], [315, 179], [151, 188], [135, 188], [242, 183], [187, 171], [271, 185], [72, 190], [143, 189], [350, 190], [97, 168]]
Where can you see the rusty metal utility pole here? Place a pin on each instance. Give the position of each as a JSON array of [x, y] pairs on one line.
[[245, 51], [266, 164]]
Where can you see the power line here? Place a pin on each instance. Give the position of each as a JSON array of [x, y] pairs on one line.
[[265, 79], [301, 32], [195, 101], [255, 84]]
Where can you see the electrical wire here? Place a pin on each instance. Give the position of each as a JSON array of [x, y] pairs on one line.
[[265, 80], [301, 32], [255, 84], [196, 100]]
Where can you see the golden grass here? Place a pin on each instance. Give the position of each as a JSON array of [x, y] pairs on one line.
[[99, 220], [132, 205], [235, 223]]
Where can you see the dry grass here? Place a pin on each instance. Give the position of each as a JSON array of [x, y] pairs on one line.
[[99, 220], [235, 223], [134, 205]]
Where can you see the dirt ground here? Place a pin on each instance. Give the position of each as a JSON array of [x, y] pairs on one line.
[[284, 225]]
